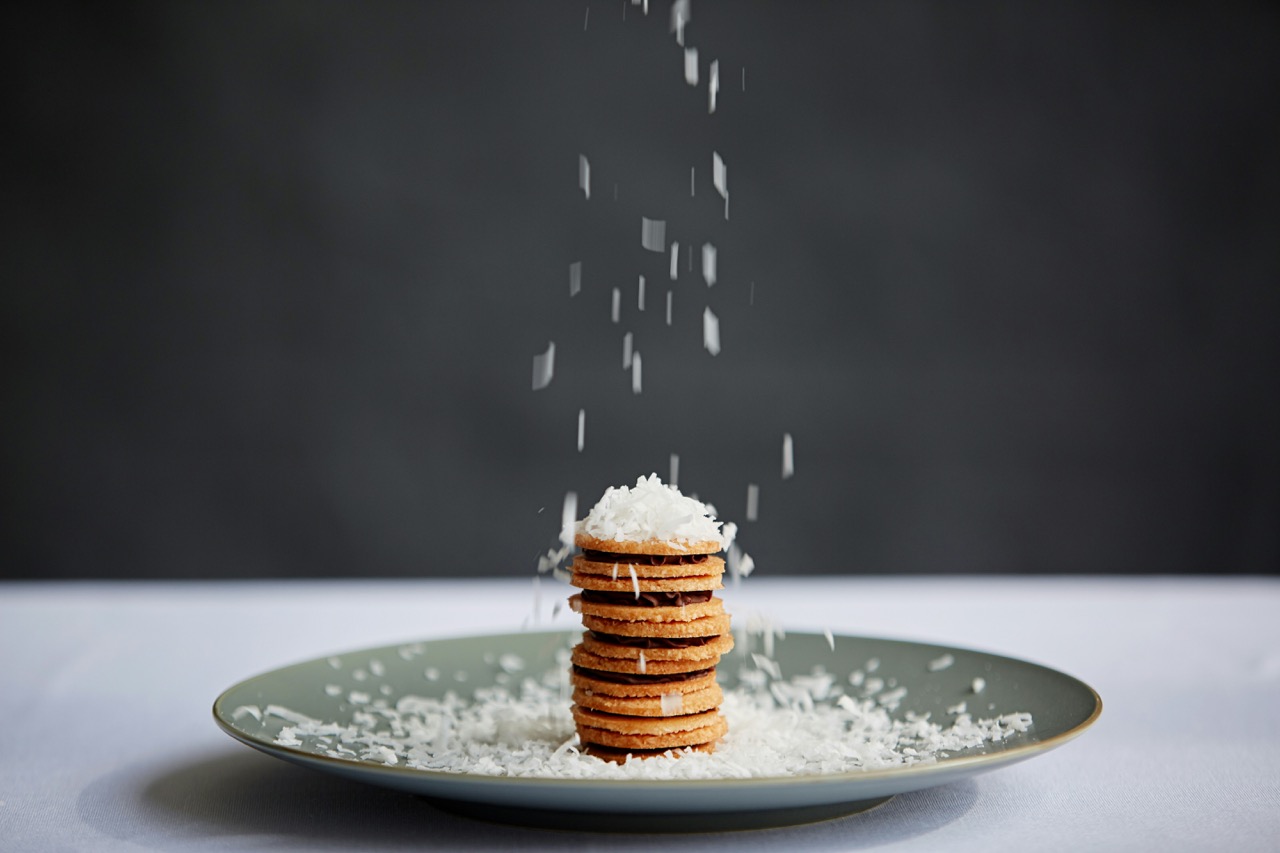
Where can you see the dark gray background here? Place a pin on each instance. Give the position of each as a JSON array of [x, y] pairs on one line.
[[275, 274]]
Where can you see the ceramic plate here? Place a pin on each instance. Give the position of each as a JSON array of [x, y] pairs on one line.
[[1061, 708]]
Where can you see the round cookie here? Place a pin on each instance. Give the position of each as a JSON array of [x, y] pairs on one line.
[[624, 583], [627, 725], [652, 689], [684, 613], [707, 626], [669, 703], [721, 645], [691, 737], [708, 565], [631, 666], [646, 546]]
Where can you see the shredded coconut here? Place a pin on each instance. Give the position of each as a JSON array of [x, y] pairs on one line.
[[653, 234], [805, 725], [575, 278], [651, 510], [544, 367], [710, 332], [940, 663]]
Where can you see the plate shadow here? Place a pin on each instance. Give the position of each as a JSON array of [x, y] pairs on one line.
[[203, 801]]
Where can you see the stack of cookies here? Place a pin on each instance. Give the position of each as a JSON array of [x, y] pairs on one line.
[[644, 675]]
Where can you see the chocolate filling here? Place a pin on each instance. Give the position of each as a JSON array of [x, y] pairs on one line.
[[643, 559], [635, 677], [653, 642], [648, 599]]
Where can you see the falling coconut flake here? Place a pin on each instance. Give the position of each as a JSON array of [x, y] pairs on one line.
[[674, 471], [753, 500], [568, 518], [675, 260], [616, 311], [710, 332], [626, 351], [744, 78], [575, 278], [584, 174], [713, 86], [653, 234], [640, 295], [693, 186], [680, 15], [788, 457], [719, 174], [582, 428], [586, 18], [691, 66], [669, 297], [709, 264], [544, 367], [635, 373]]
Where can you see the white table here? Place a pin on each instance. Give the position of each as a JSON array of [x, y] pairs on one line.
[[109, 744]]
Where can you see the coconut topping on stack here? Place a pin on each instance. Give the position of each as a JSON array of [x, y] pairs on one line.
[[644, 675]]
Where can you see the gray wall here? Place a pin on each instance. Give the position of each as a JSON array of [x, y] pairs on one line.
[[275, 275]]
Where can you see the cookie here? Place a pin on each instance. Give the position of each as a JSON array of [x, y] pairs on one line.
[[627, 725], [707, 626], [621, 756], [633, 666], [603, 565], [625, 584], [709, 733], [666, 704], [633, 613], [599, 681], [616, 646], [646, 546]]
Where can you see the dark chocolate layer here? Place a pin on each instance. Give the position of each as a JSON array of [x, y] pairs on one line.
[[653, 642], [648, 599], [643, 559], [636, 678]]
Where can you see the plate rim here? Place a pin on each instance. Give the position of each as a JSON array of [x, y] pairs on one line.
[[944, 766]]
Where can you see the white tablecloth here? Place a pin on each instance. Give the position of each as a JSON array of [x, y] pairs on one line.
[[108, 743]]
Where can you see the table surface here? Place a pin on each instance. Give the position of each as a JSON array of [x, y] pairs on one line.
[[1186, 755]]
